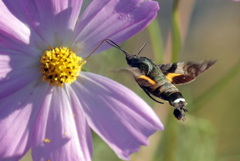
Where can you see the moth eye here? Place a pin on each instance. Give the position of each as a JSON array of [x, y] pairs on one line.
[[142, 66]]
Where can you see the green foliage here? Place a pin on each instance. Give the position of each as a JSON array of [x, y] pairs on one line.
[[102, 152], [191, 140], [217, 87], [176, 35]]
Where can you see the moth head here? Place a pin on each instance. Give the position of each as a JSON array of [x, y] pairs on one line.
[[144, 64]]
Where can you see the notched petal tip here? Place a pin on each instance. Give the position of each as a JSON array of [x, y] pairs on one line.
[[119, 20]]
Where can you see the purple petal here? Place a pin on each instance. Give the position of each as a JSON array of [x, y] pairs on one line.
[[51, 21], [13, 32], [116, 114], [16, 70], [61, 131], [115, 19], [17, 116]]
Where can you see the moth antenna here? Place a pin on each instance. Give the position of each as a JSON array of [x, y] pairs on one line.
[[142, 47], [110, 42], [92, 52]]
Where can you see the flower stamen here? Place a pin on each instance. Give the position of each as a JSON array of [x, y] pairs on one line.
[[60, 65], [47, 140]]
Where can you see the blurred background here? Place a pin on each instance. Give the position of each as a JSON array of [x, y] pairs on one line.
[[187, 30]]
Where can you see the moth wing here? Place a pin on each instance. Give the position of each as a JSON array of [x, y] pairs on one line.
[[140, 78], [184, 72], [143, 81]]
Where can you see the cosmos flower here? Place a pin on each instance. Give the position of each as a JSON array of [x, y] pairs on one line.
[[47, 104]]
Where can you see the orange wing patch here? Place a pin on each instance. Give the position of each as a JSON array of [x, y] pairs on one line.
[[175, 78], [145, 81], [170, 76]]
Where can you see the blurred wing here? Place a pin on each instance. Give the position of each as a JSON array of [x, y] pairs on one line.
[[180, 73], [143, 81], [140, 78]]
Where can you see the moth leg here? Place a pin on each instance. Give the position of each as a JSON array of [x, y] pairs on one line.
[[152, 97]]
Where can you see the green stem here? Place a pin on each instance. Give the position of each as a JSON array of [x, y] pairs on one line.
[[176, 35], [156, 41]]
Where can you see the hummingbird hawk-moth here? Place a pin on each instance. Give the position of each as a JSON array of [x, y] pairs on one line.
[[160, 80]]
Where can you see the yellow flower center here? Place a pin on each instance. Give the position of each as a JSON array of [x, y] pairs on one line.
[[60, 65]]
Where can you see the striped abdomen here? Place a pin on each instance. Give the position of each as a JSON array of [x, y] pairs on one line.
[[159, 86]]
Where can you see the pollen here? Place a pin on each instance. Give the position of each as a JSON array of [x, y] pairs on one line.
[[47, 140], [60, 65]]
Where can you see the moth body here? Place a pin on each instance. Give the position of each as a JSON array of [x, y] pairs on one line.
[[160, 80]]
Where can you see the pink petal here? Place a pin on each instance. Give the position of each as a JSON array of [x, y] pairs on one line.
[[17, 116], [116, 114], [51, 21], [14, 33], [16, 70], [115, 19], [61, 131]]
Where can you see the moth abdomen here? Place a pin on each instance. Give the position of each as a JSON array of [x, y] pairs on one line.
[[175, 99], [179, 103]]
